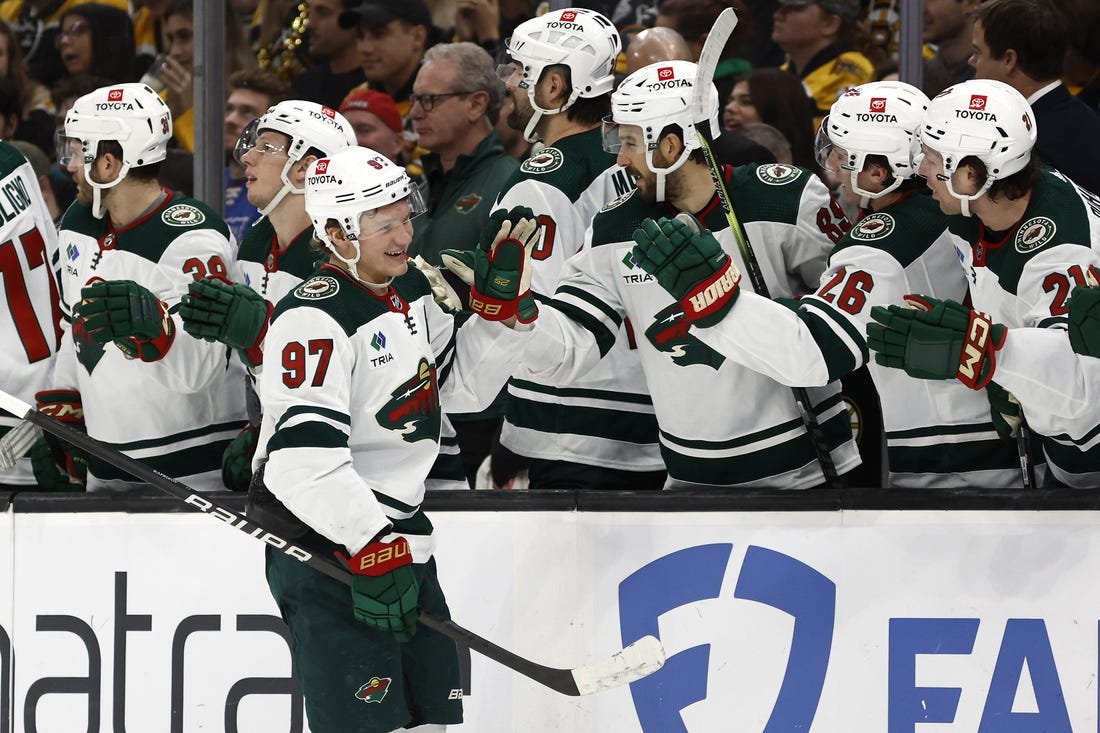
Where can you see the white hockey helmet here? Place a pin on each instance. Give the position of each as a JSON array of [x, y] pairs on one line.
[[582, 39], [881, 118], [349, 183], [308, 125], [984, 118], [131, 115], [652, 98]]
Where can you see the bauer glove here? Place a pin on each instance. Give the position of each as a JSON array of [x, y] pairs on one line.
[[235, 315], [936, 339], [689, 263], [498, 270], [128, 314], [384, 591]]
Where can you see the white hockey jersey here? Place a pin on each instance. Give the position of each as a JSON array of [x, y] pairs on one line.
[[177, 414], [352, 389], [30, 324], [938, 433], [721, 424]]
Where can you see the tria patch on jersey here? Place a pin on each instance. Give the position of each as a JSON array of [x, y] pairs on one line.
[[873, 226], [182, 215], [618, 201], [467, 203], [1034, 233], [375, 690], [550, 159], [777, 174], [317, 288], [630, 272]]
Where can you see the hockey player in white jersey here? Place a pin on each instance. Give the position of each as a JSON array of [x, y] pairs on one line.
[[721, 424], [129, 248], [359, 361], [1026, 237], [275, 256], [30, 326], [938, 434], [598, 431]]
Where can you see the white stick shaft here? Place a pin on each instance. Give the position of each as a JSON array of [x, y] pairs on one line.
[[14, 405]]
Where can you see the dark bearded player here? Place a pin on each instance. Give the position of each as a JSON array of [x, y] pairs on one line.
[[359, 362]]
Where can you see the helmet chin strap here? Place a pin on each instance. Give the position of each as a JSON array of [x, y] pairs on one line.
[[98, 210], [964, 201], [351, 264], [529, 133], [662, 172], [288, 187]]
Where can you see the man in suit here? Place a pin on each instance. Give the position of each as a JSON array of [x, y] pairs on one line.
[[1023, 43]]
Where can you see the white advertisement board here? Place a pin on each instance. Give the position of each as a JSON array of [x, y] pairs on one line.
[[833, 622]]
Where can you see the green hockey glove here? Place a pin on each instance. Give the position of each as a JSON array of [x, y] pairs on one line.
[[689, 263], [128, 314], [235, 315], [499, 268], [1004, 408], [384, 591], [936, 339], [1084, 320], [57, 465], [237, 459]]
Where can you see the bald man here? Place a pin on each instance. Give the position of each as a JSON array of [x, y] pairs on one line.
[[656, 44]]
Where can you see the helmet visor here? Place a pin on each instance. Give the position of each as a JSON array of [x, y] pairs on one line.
[[246, 141], [830, 157], [618, 137], [67, 149], [381, 221]]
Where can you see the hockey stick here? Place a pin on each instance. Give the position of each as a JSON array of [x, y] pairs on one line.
[[16, 442], [708, 62], [1023, 448], [641, 658]]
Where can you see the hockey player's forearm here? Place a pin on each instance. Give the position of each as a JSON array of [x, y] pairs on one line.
[[483, 360], [559, 350]]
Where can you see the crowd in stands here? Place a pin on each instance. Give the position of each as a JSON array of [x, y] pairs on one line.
[[417, 81]]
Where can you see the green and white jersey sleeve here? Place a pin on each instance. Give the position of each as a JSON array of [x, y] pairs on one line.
[[176, 414], [938, 433], [352, 394], [29, 325], [721, 424]]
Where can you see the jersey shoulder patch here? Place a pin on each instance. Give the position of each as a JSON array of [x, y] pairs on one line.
[[778, 174], [873, 226], [616, 224], [550, 159], [1034, 233], [317, 287]]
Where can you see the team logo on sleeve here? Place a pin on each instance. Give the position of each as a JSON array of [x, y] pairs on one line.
[[317, 288], [375, 690], [1034, 233], [550, 159], [182, 215], [669, 333], [777, 174], [413, 409], [873, 226]]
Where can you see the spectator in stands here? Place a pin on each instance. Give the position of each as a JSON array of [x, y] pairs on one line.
[[485, 22], [97, 39], [776, 98], [693, 20], [250, 93], [37, 24], [393, 35], [824, 43], [651, 45], [333, 49], [36, 109], [148, 40], [1081, 71], [377, 123], [1023, 44], [947, 24]]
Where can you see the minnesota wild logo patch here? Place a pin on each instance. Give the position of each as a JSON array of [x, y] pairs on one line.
[[182, 215], [669, 333], [1034, 233], [413, 409], [777, 174], [317, 288], [550, 159], [375, 690], [873, 226], [467, 203]]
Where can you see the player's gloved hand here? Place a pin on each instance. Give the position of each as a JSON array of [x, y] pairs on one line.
[[1004, 408], [128, 314], [689, 263], [1084, 320], [235, 315], [442, 292], [936, 339], [384, 590], [237, 459], [499, 268], [57, 465]]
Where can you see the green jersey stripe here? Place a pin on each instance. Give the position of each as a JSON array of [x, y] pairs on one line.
[[187, 462], [588, 298], [307, 435], [977, 455], [597, 394], [167, 440], [335, 415], [837, 352], [605, 338], [629, 427]]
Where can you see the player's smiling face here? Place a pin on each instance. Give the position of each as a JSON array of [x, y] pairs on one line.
[[384, 238]]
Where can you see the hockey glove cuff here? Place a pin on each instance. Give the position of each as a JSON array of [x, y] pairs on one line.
[[128, 314], [384, 591]]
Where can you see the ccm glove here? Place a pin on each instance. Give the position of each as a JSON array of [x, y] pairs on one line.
[[936, 339], [57, 465], [1004, 408], [499, 268], [237, 459], [128, 314], [384, 590], [1084, 320], [235, 315], [689, 263]]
